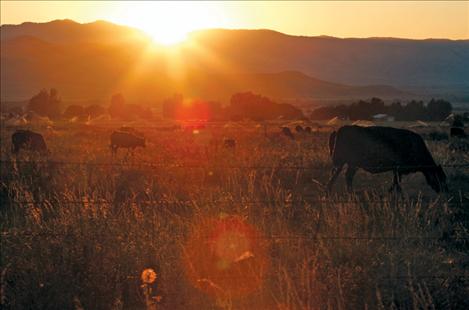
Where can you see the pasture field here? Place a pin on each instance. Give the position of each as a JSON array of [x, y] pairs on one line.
[[249, 228]]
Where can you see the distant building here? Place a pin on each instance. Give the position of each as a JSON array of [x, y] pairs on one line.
[[383, 117]]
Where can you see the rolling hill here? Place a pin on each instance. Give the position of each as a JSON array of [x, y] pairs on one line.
[[95, 60]]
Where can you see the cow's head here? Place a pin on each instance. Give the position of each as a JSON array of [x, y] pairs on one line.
[[436, 178]]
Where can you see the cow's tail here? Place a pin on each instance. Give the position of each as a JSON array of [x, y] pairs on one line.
[[332, 141]]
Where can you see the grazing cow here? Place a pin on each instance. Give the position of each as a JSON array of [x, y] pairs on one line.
[[308, 129], [287, 132], [28, 140], [127, 140], [379, 149], [229, 143], [457, 132], [299, 129]]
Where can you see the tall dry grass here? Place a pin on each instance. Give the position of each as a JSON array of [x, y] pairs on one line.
[[80, 235]]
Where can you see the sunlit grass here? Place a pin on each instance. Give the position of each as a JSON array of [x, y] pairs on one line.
[[85, 233]]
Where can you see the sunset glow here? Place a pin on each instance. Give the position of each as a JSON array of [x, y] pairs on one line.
[[234, 154], [168, 23]]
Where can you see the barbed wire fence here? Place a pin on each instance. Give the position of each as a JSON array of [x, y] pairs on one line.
[[289, 200], [299, 198], [199, 166]]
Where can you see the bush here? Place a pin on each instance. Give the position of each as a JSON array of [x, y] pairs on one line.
[[46, 103]]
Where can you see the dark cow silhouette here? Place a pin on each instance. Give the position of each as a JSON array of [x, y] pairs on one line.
[[28, 140], [287, 132], [299, 129], [126, 139], [229, 143], [308, 129], [457, 132], [379, 149]]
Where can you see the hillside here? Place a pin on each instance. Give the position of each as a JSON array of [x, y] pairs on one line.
[[95, 60], [398, 62]]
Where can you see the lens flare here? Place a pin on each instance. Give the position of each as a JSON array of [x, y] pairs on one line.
[[226, 256]]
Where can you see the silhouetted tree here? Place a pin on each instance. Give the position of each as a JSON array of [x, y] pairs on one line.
[[117, 106], [171, 104], [254, 106], [414, 110], [94, 110], [46, 103], [438, 110], [120, 109], [74, 110], [396, 110]]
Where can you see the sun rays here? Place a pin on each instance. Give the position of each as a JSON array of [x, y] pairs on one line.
[[170, 23]]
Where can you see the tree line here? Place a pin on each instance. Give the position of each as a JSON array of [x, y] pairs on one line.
[[434, 110], [243, 105]]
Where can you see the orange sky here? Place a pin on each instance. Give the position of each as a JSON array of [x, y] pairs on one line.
[[168, 22]]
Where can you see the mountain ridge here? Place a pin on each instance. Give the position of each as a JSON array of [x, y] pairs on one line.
[[94, 60]]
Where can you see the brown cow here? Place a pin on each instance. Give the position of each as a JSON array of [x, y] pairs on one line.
[[28, 140]]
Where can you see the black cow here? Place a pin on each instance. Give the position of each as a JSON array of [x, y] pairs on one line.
[[287, 132], [379, 149], [125, 139], [308, 129], [28, 140], [299, 129]]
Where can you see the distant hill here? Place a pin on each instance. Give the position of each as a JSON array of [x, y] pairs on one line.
[[95, 60], [398, 62], [69, 31]]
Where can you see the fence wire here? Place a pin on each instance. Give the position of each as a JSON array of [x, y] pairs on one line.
[[206, 166]]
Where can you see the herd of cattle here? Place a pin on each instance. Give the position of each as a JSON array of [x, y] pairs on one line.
[[374, 149]]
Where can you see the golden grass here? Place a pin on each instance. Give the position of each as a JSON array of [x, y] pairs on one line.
[[80, 235]]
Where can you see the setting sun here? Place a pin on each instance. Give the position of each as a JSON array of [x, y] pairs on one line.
[[169, 23]]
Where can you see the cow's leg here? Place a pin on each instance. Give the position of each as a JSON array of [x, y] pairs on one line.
[[334, 174], [395, 181], [349, 174]]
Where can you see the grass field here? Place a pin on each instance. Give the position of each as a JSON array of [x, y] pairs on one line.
[[249, 228]]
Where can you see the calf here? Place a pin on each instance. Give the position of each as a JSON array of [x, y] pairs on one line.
[[124, 139]]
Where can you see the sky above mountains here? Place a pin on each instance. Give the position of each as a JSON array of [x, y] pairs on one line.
[[169, 22]]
